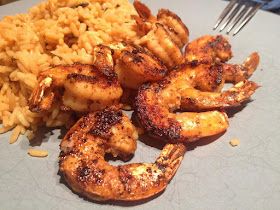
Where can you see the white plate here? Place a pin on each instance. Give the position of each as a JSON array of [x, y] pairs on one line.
[[212, 176]]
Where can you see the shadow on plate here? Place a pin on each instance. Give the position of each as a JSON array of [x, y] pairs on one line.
[[203, 141], [43, 134], [233, 110]]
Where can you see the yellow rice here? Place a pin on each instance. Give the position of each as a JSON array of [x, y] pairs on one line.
[[51, 33], [37, 153]]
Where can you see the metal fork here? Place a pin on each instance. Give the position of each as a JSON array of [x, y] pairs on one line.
[[237, 10]]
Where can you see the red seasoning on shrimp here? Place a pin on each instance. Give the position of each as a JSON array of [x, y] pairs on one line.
[[86, 171]]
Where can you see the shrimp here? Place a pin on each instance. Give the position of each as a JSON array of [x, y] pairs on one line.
[[159, 42], [137, 65], [175, 27], [192, 99], [83, 88], [208, 49], [163, 35], [156, 102], [94, 87], [103, 58], [172, 23], [216, 49], [239, 72], [212, 76], [84, 168], [205, 77]]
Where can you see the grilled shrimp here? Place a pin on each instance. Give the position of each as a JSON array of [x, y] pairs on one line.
[[236, 73], [83, 165], [83, 88], [212, 76], [103, 58], [136, 66], [175, 27], [172, 23], [192, 99], [133, 64], [208, 49], [163, 35], [156, 102], [94, 87], [216, 49], [159, 42]]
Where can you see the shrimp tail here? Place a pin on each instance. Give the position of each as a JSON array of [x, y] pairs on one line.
[[143, 11], [41, 99], [150, 179], [195, 100], [240, 72], [243, 90], [170, 159], [251, 63]]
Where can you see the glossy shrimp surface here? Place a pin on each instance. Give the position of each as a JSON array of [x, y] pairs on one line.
[[239, 72], [136, 65], [160, 44], [79, 87], [133, 64], [83, 165], [208, 49], [156, 103], [164, 35], [216, 49], [175, 27]]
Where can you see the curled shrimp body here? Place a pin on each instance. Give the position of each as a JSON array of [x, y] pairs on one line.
[[136, 66], [175, 27], [83, 165], [83, 88], [192, 99], [239, 72], [133, 64], [159, 42], [156, 102], [208, 49], [163, 35], [216, 49]]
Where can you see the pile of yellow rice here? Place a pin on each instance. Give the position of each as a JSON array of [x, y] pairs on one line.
[[52, 33]]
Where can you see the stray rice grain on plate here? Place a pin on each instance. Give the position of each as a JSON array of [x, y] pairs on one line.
[[37, 153], [234, 142]]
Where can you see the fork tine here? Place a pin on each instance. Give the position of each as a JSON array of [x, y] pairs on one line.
[[248, 17], [231, 15], [224, 13], [238, 18]]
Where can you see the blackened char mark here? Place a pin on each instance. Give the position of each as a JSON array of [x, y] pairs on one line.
[[125, 177], [93, 174], [216, 72], [153, 119], [104, 120], [74, 77]]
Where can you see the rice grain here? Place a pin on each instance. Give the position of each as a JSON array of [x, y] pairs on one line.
[[37, 153]]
